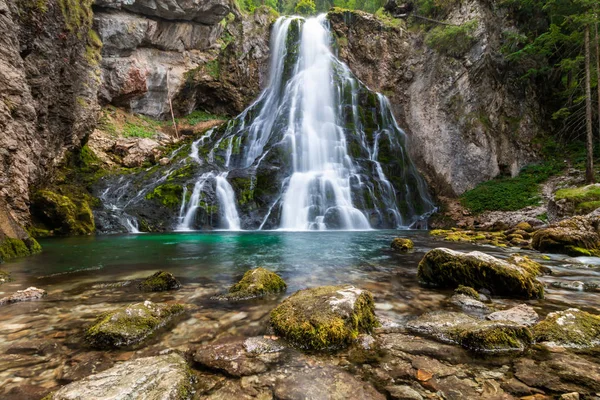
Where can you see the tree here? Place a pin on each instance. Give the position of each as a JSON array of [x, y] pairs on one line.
[[305, 7], [589, 164]]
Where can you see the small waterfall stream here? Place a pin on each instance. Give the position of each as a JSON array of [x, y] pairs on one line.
[[317, 150]]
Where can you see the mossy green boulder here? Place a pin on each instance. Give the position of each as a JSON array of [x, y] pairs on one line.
[[130, 325], [569, 328], [4, 277], [325, 318], [402, 245], [577, 236], [159, 282], [472, 333], [447, 268], [257, 282], [12, 248], [64, 215], [467, 291]]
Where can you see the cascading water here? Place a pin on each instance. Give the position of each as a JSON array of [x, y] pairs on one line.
[[316, 150]]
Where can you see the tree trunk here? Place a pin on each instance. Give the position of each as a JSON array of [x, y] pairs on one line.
[[589, 165], [597, 41]]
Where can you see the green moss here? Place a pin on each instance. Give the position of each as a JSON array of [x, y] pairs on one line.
[[131, 129], [402, 244], [13, 248], [388, 21], [257, 282], [452, 40], [64, 215], [212, 68], [448, 269], [201, 116], [244, 189], [467, 291], [130, 325], [583, 199], [77, 14], [312, 319], [167, 194], [159, 282], [569, 328], [566, 240], [494, 338]]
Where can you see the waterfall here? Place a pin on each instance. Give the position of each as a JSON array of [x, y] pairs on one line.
[[317, 150]]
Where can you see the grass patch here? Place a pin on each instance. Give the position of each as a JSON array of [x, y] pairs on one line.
[[510, 194], [200, 116], [134, 130], [585, 199], [452, 40]]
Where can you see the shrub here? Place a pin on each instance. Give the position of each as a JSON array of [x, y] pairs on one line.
[[306, 7]]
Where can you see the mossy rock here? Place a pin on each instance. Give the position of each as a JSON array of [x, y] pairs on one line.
[[569, 328], [12, 248], [467, 291], [64, 215], [130, 325], [325, 318], [524, 226], [402, 245], [4, 277], [472, 333], [257, 282], [576, 236], [159, 282], [447, 268]]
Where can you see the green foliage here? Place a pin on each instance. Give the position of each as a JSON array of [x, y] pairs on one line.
[[135, 130], [305, 7], [388, 20], [510, 194], [200, 116], [213, 68], [437, 9], [168, 194], [452, 40]]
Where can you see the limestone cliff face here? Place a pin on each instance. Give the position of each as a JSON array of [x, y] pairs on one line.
[[48, 89], [468, 118]]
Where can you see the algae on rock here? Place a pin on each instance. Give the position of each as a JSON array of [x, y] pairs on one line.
[[257, 282], [569, 328], [131, 324], [326, 317], [447, 268], [402, 245], [159, 282], [13, 248], [68, 216]]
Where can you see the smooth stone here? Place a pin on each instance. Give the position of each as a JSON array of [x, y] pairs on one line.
[[31, 293], [468, 303], [521, 314]]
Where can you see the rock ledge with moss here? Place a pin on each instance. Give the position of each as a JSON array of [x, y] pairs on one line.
[[255, 283], [447, 268], [326, 317], [130, 325]]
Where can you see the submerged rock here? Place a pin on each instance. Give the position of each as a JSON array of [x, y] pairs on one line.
[[257, 282], [448, 268], [577, 236], [31, 293], [402, 245], [569, 328], [327, 317], [250, 357], [159, 282], [472, 333], [469, 303], [131, 324], [521, 314], [165, 377]]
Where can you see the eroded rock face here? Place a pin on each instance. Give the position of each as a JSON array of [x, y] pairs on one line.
[[448, 268], [460, 113], [326, 317], [130, 325], [164, 377]]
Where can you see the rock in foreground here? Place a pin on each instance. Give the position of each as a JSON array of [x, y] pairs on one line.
[[569, 328], [159, 282], [327, 317], [31, 293], [257, 282], [472, 333], [165, 377], [402, 245], [521, 314], [131, 324], [448, 269]]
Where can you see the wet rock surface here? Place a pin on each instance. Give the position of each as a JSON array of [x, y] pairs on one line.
[[257, 282], [29, 294], [162, 377], [159, 282], [569, 328], [521, 314]]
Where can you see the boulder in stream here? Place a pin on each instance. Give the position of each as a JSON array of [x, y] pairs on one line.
[[402, 245], [131, 324], [521, 314], [257, 282], [165, 377], [159, 282], [4, 277], [569, 328], [447, 268], [472, 333], [31, 293], [326, 317], [577, 236]]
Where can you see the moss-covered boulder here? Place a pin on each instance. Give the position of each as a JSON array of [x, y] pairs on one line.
[[159, 282], [165, 377], [257, 282], [12, 248], [447, 268], [327, 317], [577, 236], [472, 333], [569, 328], [4, 277], [130, 325], [62, 214], [402, 245], [467, 291]]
